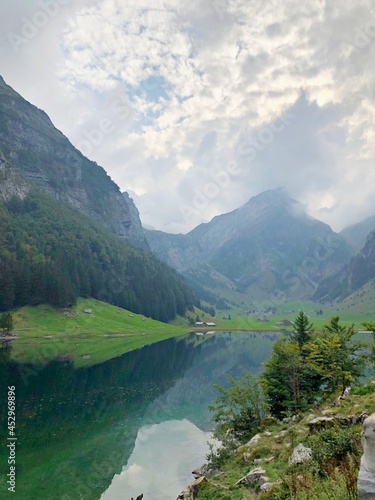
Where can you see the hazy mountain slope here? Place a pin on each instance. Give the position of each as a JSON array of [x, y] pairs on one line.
[[268, 243], [357, 273], [33, 151], [356, 234]]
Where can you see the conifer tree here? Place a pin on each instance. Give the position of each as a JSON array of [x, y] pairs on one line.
[[302, 331]]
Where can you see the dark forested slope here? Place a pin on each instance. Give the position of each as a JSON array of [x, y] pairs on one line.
[[50, 253]]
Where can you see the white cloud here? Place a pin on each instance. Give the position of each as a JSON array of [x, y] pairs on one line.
[[183, 85]]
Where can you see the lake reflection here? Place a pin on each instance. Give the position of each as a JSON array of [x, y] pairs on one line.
[[93, 432], [161, 463]]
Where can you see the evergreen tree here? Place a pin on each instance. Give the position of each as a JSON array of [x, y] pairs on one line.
[[290, 383], [7, 283], [336, 356], [6, 322], [302, 330]]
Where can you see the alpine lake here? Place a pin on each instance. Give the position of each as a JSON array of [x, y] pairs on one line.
[[137, 423]]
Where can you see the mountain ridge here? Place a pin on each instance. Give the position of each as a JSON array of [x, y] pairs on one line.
[[269, 242], [34, 152], [358, 272], [356, 234]]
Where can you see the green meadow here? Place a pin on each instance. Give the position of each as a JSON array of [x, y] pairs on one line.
[[44, 333]]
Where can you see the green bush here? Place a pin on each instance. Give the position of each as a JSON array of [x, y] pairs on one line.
[[331, 447], [363, 390], [240, 409]]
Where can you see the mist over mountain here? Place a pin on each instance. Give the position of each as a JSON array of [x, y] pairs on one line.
[[356, 234], [359, 271], [269, 245]]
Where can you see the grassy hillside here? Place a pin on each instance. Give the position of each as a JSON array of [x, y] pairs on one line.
[[44, 333]]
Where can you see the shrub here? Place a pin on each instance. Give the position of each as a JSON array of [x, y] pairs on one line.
[[332, 447]]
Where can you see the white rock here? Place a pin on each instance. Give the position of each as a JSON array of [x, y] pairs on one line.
[[366, 477], [252, 477], [300, 455], [266, 486], [327, 412], [253, 441], [366, 485], [263, 480]]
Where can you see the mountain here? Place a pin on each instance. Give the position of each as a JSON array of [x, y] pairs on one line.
[[51, 254], [66, 230], [268, 246], [356, 234], [359, 271], [34, 153]]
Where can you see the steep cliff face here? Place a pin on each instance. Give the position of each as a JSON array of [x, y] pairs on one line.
[[359, 271], [33, 152], [356, 234], [268, 244]]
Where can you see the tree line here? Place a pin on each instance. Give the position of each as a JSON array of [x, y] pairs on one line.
[[52, 254]]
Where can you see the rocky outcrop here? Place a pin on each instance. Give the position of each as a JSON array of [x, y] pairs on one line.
[[191, 491], [321, 423], [254, 477], [34, 153], [359, 272], [205, 471], [253, 441], [366, 477], [300, 455], [136, 232]]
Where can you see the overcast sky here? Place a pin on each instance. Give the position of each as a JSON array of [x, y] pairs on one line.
[[194, 106]]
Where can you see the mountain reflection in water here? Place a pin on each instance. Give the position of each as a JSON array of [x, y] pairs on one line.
[[89, 433]]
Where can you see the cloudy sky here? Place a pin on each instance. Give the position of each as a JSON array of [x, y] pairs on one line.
[[194, 106]]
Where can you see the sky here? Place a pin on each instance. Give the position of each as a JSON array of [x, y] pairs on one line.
[[195, 106]]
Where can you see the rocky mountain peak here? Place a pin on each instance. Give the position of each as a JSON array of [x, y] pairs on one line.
[[263, 245]]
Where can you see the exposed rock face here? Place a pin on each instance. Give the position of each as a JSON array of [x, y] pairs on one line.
[[366, 477], [253, 441], [136, 232], [359, 271], [356, 234], [267, 245], [34, 153]]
